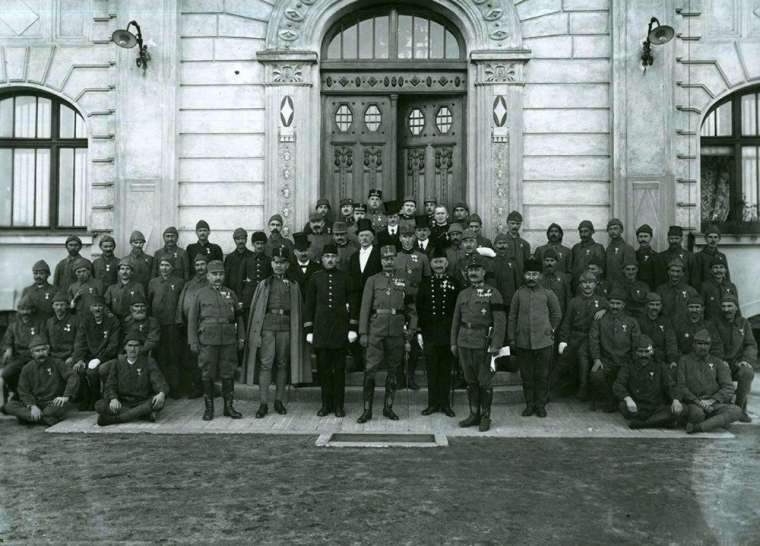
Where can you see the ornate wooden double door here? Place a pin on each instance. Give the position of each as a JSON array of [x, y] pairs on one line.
[[403, 144]]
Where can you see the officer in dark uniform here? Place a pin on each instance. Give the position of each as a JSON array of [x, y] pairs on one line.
[[233, 262], [330, 323], [387, 321], [255, 267], [215, 332], [375, 210], [163, 299]]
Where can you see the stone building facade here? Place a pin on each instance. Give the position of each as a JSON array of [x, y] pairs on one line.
[[558, 119]]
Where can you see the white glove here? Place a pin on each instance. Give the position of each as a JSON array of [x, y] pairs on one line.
[[310, 338], [485, 251], [419, 340], [562, 347], [352, 336], [631, 405], [94, 363]]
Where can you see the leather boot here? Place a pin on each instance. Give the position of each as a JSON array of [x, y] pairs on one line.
[[473, 397], [208, 400], [486, 397], [227, 394], [369, 397], [390, 392]]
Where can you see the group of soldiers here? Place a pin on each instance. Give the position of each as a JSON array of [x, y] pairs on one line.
[[655, 335]]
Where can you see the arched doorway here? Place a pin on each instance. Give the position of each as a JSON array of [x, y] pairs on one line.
[[394, 89]]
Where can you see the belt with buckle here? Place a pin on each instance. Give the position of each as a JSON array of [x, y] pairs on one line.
[[388, 311], [284, 312], [218, 320], [471, 326]]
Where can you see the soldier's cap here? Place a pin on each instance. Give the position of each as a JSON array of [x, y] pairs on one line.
[[475, 217], [126, 261], [501, 237], [702, 335], [455, 227], [469, 234], [106, 239], [392, 208], [60, 297], [645, 228], [374, 192], [712, 228], [275, 217], [133, 334], [240, 233], [409, 199], [718, 259], [675, 230], [281, 252], [421, 221], [360, 207], [474, 263], [136, 236], [550, 253], [730, 297], [138, 298], [37, 340], [97, 299], [74, 238], [534, 265], [653, 296], [587, 276], [301, 241], [514, 216], [202, 224], [614, 222], [630, 260], [171, 230], [324, 201], [460, 205], [430, 199], [339, 227], [586, 224], [675, 262], [645, 342], [25, 304], [617, 293], [364, 224], [81, 263], [215, 266], [330, 248], [259, 237], [406, 229], [696, 299], [597, 261], [438, 252], [315, 216], [555, 225], [167, 259], [200, 258], [388, 251], [346, 201], [41, 265]]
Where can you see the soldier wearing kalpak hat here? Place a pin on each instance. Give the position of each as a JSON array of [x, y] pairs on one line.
[[15, 345], [64, 272], [233, 262], [142, 263], [346, 246], [703, 259], [676, 292], [584, 251], [256, 267], [181, 266], [105, 267], [61, 329], [210, 250], [190, 382], [40, 292], [146, 326], [674, 251], [645, 256], [323, 210], [82, 291], [475, 223], [618, 251], [554, 235], [119, 296], [692, 322], [716, 287], [660, 330]]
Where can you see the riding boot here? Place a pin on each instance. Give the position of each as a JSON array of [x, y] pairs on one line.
[[486, 397], [390, 392], [228, 389], [473, 397], [369, 397], [208, 399]]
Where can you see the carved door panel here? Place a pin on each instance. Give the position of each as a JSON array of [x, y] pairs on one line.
[[357, 151], [431, 151]]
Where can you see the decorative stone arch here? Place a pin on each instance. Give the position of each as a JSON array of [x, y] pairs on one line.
[[491, 32]]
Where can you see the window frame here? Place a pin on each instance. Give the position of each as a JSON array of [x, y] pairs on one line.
[[735, 141], [54, 143]]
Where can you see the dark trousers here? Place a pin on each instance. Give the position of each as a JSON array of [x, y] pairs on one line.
[[649, 417], [601, 382], [331, 365], [128, 412], [476, 367], [50, 414], [534, 371], [12, 370], [189, 379], [718, 416], [438, 366], [168, 354], [743, 377]]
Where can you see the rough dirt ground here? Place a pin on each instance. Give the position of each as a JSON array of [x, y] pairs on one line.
[[283, 490]]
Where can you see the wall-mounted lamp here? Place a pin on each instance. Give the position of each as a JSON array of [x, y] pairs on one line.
[[128, 40], [661, 34]]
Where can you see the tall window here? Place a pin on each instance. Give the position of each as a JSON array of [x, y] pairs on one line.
[[730, 161], [392, 35], [43, 159]]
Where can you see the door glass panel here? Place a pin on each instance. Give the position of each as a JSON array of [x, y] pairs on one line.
[[749, 115], [715, 183], [381, 37], [436, 40], [349, 43], [80, 185], [452, 46], [343, 118], [6, 186], [66, 187], [365, 39], [443, 120], [420, 38], [750, 182], [372, 118], [42, 189], [23, 187], [416, 121], [333, 50], [26, 116], [404, 37]]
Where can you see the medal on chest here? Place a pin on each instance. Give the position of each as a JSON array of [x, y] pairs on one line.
[[617, 249], [105, 334], [32, 331], [711, 365], [47, 295], [624, 327], [139, 371], [49, 372], [651, 375], [108, 268], [588, 252], [661, 327], [67, 328]]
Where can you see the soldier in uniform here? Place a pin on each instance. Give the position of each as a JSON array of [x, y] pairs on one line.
[[142, 263], [360, 212], [255, 268], [460, 213], [408, 213], [436, 299], [716, 287], [190, 375], [181, 266], [215, 333], [454, 238], [15, 344], [644, 386], [375, 211], [559, 283], [41, 292], [106, 267], [705, 387], [429, 205], [276, 237], [467, 254], [505, 277], [346, 212], [64, 272], [163, 300], [554, 235], [387, 321], [534, 315], [148, 328], [693, 322], [636, 290], [675, 251], [477, 328], [324, 210], [45, 387], [596, 266], [618, 252], [612, 340], [519, 248], [134, 389], [740, 350], [82, 291], [330, 323], [61, 330], [703, 259], [585, 251], [675, 293], [660, 331], [318, 236], [645, 255], [475, 223], [210, 250], [120, 296], [275, 337], [346, 247], [233, 262]]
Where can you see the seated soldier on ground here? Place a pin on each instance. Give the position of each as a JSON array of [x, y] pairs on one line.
[[644, 387], [45, 387], [135, 388], [16, 346], [705, 387]]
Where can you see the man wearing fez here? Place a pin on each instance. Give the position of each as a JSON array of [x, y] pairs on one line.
[[704, 386], [276, 238], [477, 328], [330, 317], [387, 321], [190, 375], [717, 287], [163, 299], [644, 386], [105, 268], [375, 211], [215, 332], [134, 389], [16, 350], [646, 255], [256, 267], [119, 296], [585, 251], [674, 251], [142, 263], [618, 251], [554, 235], [40, 292], [82, 291], [346, 247], [61, 330], [64, 272], [45, 387], [210, 250], [436, 299], [275, 335], [181, 266]]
